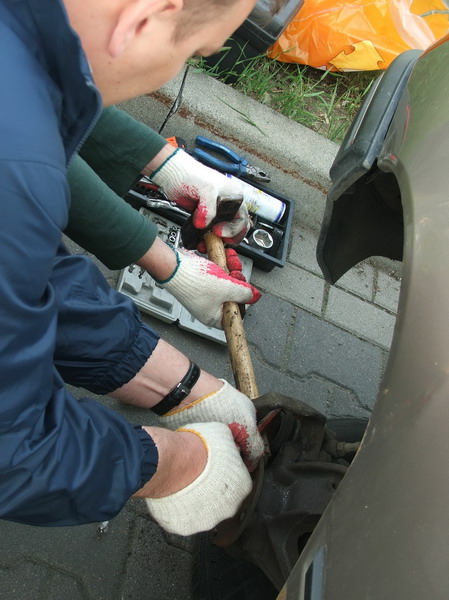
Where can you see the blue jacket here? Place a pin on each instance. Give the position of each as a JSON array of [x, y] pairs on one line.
[[62, 461]]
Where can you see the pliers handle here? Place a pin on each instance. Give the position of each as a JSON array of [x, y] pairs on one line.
[[234, 164]]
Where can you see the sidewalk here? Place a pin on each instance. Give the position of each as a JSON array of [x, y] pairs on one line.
[[324, 345]]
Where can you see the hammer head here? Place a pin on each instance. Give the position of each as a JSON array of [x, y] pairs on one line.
[[227, 207]]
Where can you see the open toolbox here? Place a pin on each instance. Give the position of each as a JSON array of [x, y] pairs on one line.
[[266, 242], [266, 258], [138, 284]]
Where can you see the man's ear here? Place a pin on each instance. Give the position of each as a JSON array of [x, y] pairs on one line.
[[133, 17]]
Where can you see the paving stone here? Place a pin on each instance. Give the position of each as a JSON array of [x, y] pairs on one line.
[[23, 580], [95, 560], [291, 283], [344, 403], [387, 292], [267, 324], [313, 389], [303, 251], [360, 318], [63, 586], [156, 570], [320, 348], [359, 281]]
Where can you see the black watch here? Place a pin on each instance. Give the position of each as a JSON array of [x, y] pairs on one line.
[[179, 392]]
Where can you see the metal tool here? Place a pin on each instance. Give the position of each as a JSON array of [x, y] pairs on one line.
[[226, 209], [167, 205], [261, 239], [158, 200], [233, 163]]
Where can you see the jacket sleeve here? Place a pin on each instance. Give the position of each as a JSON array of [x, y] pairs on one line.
[[62, 461], [119, 147], [103, 223], [109, 164]]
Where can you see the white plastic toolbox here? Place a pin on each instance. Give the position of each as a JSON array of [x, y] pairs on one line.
[[136, 283]]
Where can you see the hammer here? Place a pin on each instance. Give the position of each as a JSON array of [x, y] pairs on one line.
[[241, 362]]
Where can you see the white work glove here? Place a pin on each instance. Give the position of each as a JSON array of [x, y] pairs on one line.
[[202, 287], [229, 406], [215, 495], [195, 187]]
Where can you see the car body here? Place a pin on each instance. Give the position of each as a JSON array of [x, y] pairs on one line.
[[385, 533]]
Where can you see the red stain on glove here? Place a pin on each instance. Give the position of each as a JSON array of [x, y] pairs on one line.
[[241, 438], [186, 197], [233, 260], [216, 271]]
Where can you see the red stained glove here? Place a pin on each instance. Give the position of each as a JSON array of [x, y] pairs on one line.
[[202, 287], [229, 406], [195, 187], [234, 264]]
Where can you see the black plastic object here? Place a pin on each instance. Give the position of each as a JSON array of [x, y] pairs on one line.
[[363, 214], [227, 207], [253, 37], [365, 137]]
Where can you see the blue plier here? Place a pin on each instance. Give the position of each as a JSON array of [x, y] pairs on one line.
[[234, 164]]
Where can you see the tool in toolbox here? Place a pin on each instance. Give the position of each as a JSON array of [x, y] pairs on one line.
[[266, 242], [257, 201], [235, 164], [153, 197], [138, 284]]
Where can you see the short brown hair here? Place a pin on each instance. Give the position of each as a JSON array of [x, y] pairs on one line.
[[198, 12]]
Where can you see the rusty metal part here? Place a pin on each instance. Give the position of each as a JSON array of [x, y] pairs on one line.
[[292, 490], [267, 419]]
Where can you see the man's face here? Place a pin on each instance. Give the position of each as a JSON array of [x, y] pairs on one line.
[[207, 39], [156, 54]]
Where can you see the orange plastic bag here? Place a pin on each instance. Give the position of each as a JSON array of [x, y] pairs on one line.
[[362, 35]]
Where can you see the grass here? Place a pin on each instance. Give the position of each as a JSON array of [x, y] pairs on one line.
[[321, 100]]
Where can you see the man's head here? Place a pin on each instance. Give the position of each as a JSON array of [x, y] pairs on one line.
[[197, 12], [135, 46]]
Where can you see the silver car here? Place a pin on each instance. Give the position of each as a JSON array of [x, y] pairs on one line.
[[369, 520]]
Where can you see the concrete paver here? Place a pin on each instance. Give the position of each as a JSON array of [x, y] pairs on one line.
[[291, 283], [386, 292], [322, 348], [359, 317], [359, 281], [155, 566], [302, 252]]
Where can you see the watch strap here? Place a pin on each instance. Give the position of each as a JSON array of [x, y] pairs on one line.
[[179, 392]]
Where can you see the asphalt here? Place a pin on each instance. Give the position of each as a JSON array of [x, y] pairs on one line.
[[326, 346]]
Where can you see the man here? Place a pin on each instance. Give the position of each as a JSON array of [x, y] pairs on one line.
[[64, 461]]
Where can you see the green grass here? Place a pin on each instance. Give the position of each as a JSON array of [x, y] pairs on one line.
[[321, 100]]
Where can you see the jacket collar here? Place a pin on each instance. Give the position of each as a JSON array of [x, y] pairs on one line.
[[44, 26]]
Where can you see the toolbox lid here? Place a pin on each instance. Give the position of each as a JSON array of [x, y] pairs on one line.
[[262, 29]]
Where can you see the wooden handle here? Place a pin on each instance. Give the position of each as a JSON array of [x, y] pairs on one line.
[[242, 365]]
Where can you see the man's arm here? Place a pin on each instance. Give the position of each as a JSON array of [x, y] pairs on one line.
[[63, 461], [112, 159], [103, 223], [119, 149]]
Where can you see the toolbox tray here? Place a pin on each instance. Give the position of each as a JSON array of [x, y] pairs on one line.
[[151, 298], [263, 259]]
